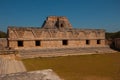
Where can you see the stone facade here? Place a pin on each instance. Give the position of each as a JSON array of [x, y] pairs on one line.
[[56, 32], [3, 43]]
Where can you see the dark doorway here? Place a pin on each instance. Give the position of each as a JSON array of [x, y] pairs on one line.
[[98, 42], [37, 43], [65, 42], [62, 26], [20, 43], [87, 42]]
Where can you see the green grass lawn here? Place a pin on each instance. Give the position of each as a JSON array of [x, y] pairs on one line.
[[81, 67]]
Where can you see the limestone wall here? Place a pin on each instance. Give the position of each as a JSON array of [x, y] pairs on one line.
[[56, 44], [34, 33], [54, 38]]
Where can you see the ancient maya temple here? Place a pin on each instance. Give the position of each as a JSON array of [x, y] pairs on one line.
[[56, 32]]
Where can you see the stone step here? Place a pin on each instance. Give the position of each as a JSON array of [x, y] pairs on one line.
[[22, 67], [2, 66], [11, 68], [63, 51]]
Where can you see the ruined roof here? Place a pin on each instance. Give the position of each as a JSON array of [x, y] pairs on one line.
[[53, 23], [59, 22]]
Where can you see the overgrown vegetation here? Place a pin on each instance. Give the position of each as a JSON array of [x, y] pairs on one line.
[[110, 36], [93, 67], [3, 34]]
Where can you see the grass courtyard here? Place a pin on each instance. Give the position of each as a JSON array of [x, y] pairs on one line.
[[81, 67]]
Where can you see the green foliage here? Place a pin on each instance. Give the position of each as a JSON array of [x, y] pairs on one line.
[[117, 35], [76, 67], [112, 35], [3, 34]]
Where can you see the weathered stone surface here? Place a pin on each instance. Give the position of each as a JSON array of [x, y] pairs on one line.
[[3, 43], [33, 75]]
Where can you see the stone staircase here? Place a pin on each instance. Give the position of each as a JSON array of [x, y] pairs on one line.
[[8, 64], [64, 52], [12, 68]]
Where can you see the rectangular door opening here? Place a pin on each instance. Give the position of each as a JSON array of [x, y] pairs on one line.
[[64, 42]]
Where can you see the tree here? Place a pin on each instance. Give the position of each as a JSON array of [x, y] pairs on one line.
[[111, 36], [3, 34]]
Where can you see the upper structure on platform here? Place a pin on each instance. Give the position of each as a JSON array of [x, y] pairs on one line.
[[59, 22], [56, 32]]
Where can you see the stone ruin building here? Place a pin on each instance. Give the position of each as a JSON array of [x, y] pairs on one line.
[[56, 32], [117, 43]]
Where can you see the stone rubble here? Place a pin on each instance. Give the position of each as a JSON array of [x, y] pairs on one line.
[[33, 75]]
